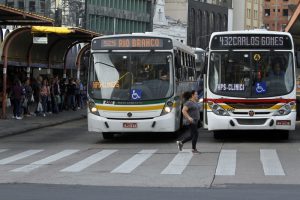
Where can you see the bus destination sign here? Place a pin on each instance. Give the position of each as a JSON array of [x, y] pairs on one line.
[[253, 41], [119, 43]]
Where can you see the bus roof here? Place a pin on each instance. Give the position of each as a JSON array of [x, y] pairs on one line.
[[251, 39], [254, 31]]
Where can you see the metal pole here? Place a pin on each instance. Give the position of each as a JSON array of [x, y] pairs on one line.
[[114, 25]]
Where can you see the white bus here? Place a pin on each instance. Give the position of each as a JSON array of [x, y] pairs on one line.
[[135, 83], [200, 60], [251, 82]]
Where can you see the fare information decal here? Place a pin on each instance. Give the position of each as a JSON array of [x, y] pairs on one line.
[[230, 87], [251, 41]]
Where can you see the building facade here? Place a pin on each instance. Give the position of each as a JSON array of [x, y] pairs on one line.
[[119, 16], [203, 17], [166, 25], [254, 14], [277, 13], [247, 14]]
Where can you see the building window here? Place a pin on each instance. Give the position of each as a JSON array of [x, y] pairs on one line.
[[21, 5], [10, 4], [42, 3], [31, 6], [283, 26], [267, 12], [255, 14], [285, 12], [248, 13]]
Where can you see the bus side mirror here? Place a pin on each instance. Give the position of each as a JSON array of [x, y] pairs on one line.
[[205, 64], [298, 59]]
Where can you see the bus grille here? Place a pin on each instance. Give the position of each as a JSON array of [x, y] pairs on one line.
[[129, 118], [247, 113], [251, 121], [251, 106]]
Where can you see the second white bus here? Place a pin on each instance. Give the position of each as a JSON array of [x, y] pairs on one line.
[[251, 82]]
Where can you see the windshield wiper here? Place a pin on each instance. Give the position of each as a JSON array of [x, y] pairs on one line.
[[112, 66]]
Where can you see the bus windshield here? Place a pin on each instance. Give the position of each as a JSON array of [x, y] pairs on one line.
[[130, 76], [251, 74]]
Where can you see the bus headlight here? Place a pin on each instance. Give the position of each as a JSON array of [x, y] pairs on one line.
[[285, 109], [93, 108], [217, 109], [168, 108]]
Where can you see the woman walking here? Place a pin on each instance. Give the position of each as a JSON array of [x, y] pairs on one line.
[[191, 113]]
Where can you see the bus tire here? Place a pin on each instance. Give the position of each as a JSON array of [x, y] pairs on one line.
[[298, 109], [284, 134], [218, 135], [107, 136]]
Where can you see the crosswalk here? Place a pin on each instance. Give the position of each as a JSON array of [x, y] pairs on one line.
[[177, 163]]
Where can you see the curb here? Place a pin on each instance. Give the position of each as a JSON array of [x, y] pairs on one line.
[[40, 126]]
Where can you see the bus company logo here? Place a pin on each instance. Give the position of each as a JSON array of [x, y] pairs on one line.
[[251, 113], [129, 114]]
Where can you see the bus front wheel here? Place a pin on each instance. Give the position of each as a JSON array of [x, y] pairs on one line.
[[284, 134], [218, 135], [107, 136]]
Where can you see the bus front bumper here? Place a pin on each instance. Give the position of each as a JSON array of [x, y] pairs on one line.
[[165, 123], [286, 122]]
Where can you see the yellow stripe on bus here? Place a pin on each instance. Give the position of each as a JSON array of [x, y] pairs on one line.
[[130, 108]]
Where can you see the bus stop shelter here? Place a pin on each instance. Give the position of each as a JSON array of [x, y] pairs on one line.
[[293, 27], [36, 46]]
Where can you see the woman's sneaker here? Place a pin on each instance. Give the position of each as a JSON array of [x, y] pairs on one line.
[[196, 151], [180, 145]]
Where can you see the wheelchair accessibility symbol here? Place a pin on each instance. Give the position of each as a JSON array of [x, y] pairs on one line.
[[136, 94], [261, 88]]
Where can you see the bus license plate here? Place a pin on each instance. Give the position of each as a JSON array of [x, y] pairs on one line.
[[283, 122], [129, 125]]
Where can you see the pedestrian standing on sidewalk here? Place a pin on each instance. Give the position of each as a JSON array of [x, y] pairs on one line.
[[44, 94], [27, 99], [191, 112], [18, 92]]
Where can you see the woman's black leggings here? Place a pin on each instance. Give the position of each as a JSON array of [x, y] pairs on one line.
[[193, 135]]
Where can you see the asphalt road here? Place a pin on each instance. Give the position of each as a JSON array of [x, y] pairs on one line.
[[67, 161], [63, 192]]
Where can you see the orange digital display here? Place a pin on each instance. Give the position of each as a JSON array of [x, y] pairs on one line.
[[99, 85], [132, 43]]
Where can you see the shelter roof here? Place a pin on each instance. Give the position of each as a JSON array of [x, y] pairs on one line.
[[13, 16], [50, 53], [293, 26]]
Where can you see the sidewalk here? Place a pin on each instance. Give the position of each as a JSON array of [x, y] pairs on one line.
[[12, 126]]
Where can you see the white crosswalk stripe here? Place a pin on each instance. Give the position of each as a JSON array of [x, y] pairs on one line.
[[179, 162], [2, 150], [129, 165], [19, 156], [45, 161], [81, 165], [271, 163], [226, 163]]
